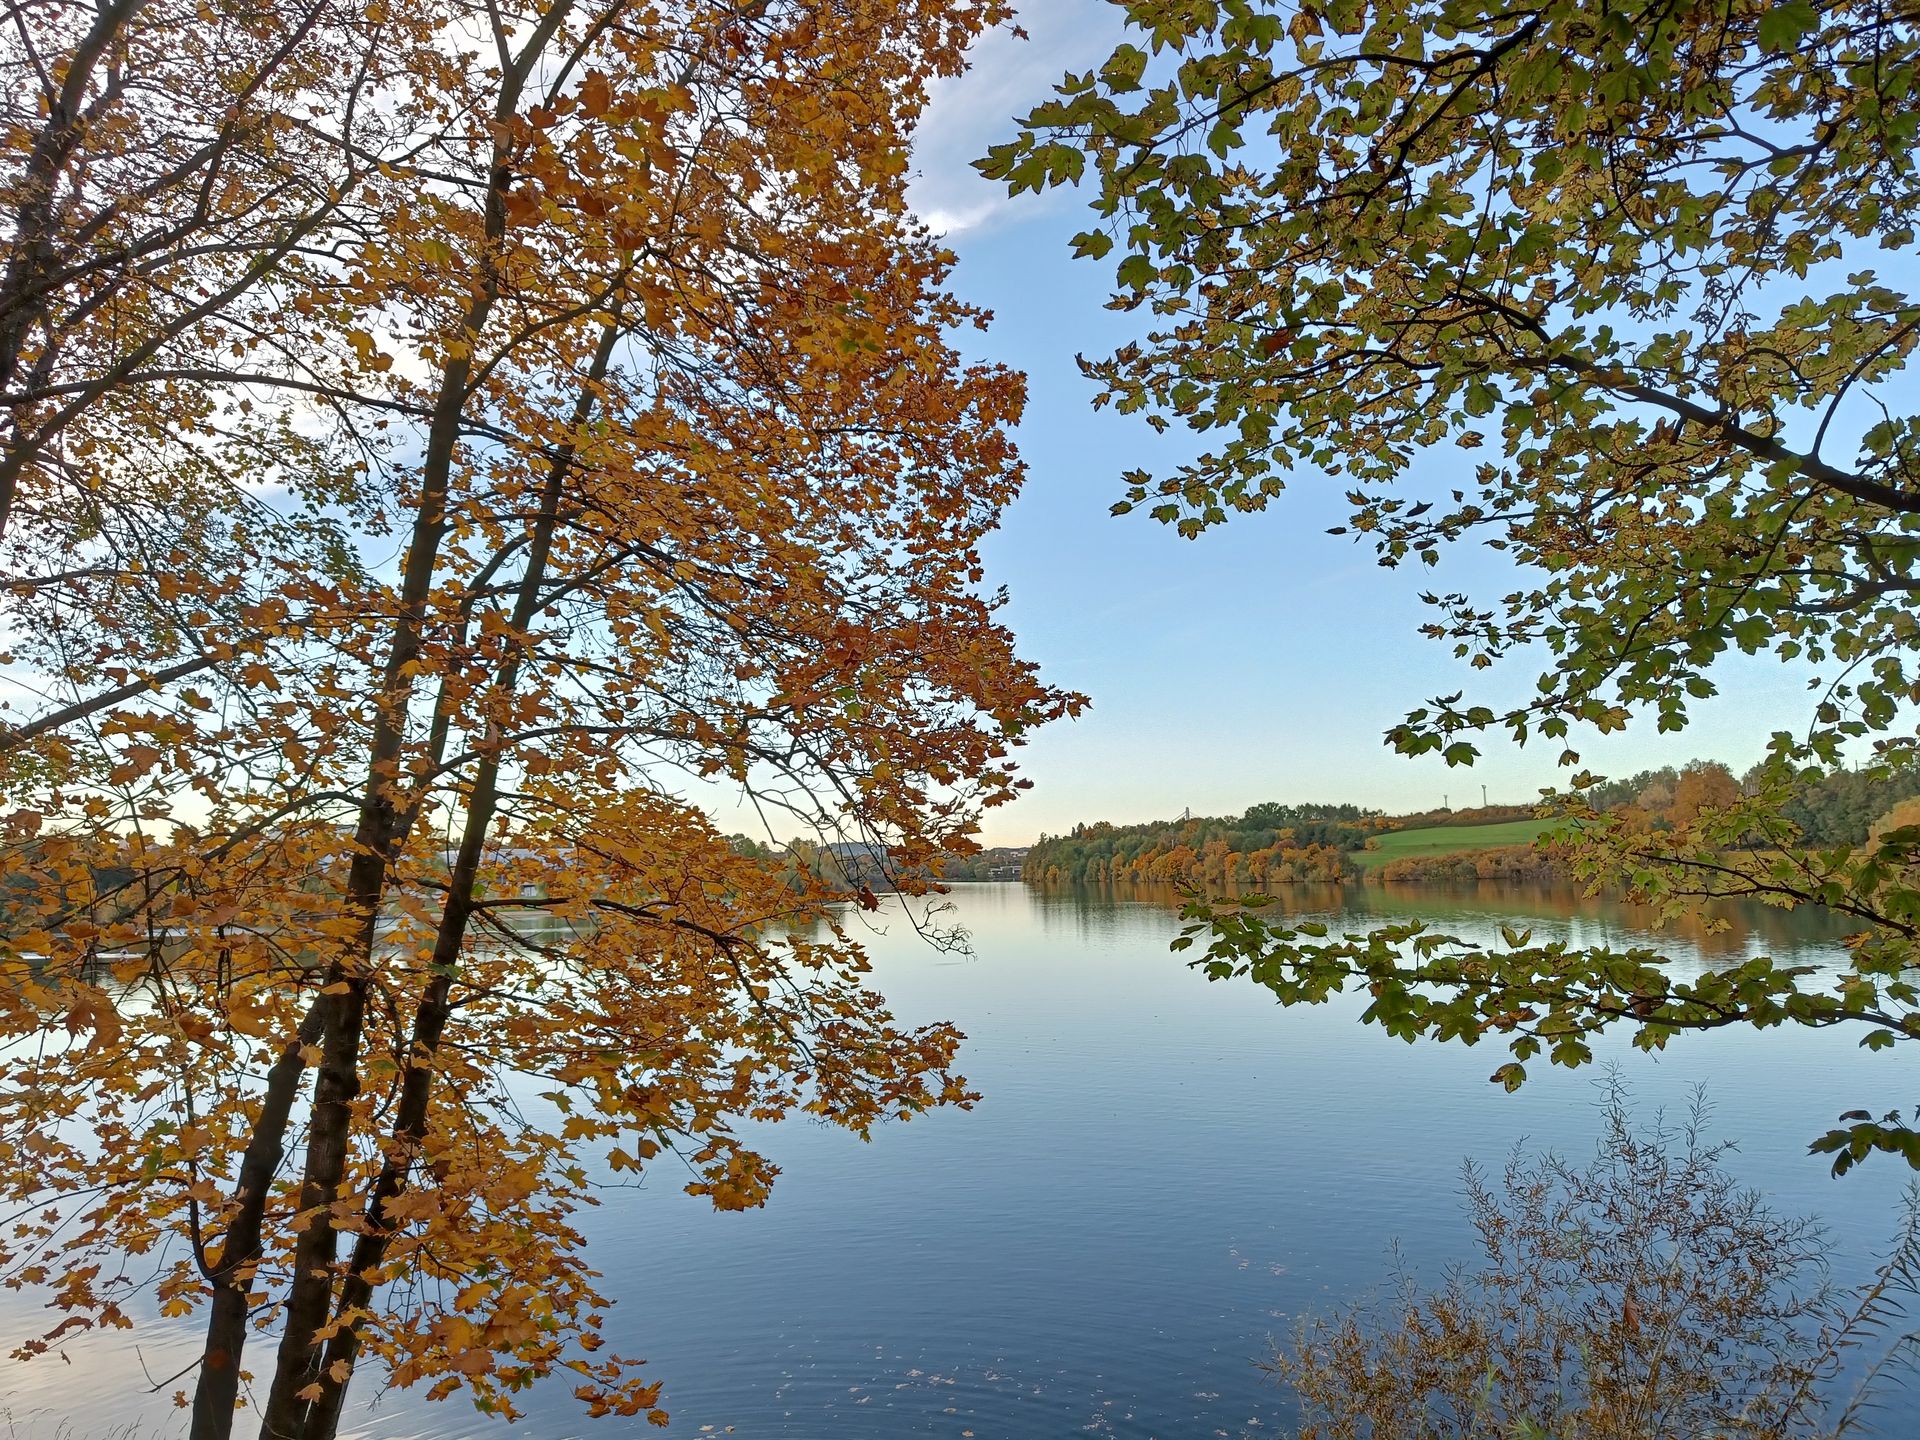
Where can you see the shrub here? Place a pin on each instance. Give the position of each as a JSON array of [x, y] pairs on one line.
[[1642, 1296]]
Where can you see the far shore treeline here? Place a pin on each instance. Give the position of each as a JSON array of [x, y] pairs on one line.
[[1276, 844], [1272, 843]]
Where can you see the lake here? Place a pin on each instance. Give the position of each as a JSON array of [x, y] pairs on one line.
[[1162, 1175]]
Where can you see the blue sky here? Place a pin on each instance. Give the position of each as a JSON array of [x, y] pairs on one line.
[[1263, 661]]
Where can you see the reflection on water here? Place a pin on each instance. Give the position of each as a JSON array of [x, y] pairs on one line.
[[1718, 931], [1163, 1173]]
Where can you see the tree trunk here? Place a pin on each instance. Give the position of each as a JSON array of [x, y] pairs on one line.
[[383, 821], [343, 998], [218, 1390], [410, 1121]]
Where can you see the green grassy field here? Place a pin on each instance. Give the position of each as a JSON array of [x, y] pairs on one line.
[[1448, 840]]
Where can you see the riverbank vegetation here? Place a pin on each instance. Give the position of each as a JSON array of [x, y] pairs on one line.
[[1274, 844], [1424, 842], [1270, 844]]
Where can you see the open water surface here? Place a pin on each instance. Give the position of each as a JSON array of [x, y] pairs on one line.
[[1164, 1173]]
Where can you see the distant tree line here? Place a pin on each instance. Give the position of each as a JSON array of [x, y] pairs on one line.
[[1543, 860], [1830, 808], [1274, 843], [856, 865], [1270, 844], [991, 863]]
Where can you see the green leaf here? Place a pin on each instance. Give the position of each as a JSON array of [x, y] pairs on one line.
[[1784, 26]]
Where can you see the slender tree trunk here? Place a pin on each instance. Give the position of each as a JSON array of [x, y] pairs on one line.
[[218, 1390], [430, 1020], [23, 296], [343, 997], [383, 820]]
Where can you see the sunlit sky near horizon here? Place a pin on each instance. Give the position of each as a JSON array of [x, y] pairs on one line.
[[1265, 660]]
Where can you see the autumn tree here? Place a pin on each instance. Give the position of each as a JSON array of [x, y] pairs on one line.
[[444, 443], [172, 174], [1599, 286], [1705, 788]]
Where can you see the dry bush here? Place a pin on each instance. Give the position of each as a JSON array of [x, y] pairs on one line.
[[1642, 1296]]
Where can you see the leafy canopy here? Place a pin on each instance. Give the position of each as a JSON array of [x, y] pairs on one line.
[[1622, 291], [439, 440]]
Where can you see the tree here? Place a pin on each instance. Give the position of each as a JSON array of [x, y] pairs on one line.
[[1623, 257], [172, 174], [1705, 787], [596, 433], [1656, 798]]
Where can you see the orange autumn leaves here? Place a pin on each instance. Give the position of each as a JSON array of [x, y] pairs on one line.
[[556, 413]]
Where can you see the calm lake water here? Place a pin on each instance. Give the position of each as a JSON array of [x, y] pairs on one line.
[[1163, 1175]]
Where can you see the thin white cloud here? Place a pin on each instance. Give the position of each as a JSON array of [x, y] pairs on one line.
[[1007, 78], [948, 222]]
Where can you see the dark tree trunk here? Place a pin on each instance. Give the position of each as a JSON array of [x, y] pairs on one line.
[[218, 1390], [430, 1020]]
